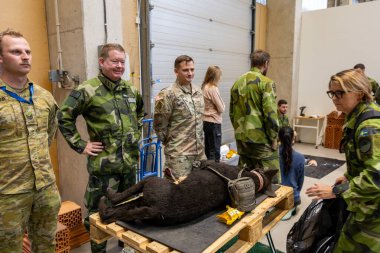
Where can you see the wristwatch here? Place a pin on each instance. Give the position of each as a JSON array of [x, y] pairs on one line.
[[338, 189]]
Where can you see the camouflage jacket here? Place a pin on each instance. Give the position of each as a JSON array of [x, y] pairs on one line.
[[283, 120], [374, 85], [363, 166], [113, 114], [178, 120], [26, 131], [253, 108]]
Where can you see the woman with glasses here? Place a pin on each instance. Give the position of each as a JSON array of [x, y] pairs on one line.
[[350, 92]]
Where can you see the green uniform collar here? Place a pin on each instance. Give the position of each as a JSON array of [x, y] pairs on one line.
[[111, 85], [351, 118], [256, 69]]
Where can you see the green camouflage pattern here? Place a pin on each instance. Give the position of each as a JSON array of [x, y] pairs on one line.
[[361, 232], [283, 120], [253, 108], [375, 89], [36, 211], [258, 155], [178, 123], [374, 85], [113, 114], [96, 188], [26, 131], [253, 114]]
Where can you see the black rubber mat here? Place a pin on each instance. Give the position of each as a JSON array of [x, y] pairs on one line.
[[324, 166], [191, 237]]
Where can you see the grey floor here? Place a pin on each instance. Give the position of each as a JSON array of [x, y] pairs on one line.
[[282, 228]]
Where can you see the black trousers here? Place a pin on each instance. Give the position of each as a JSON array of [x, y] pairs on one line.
[[213, 140]]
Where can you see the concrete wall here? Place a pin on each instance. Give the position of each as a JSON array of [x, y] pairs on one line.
[[281, 17], [260, 27], [94, 30], [72, 167], [131, 38], [351, 40], [29, 18]]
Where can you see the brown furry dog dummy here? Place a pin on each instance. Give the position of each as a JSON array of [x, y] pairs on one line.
[[165, 203]]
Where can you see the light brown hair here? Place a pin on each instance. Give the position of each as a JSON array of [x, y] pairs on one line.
[[212, 76], [8, 32], [182, 58], [106, 48]]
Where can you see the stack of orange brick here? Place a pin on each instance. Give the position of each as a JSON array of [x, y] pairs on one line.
[[70, 215], [334, 130], [62, 237]]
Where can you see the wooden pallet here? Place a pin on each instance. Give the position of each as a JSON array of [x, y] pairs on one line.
[[249, 229]]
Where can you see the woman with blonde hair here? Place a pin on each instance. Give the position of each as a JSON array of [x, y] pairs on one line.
[[359, 187], [212, 118]]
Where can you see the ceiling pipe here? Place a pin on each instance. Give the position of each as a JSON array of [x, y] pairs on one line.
[[105, 22], [58, 32]]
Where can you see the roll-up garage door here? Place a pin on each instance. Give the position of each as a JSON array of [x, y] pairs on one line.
[[212, 32]]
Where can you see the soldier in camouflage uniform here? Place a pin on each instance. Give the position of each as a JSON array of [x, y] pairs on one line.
[[113, 111], [253, 114], [29, 198], [374, 84], [283, 119], [178, 119], [360, 185]]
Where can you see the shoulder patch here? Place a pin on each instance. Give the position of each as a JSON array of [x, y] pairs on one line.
[[75, 94], [365, 145]]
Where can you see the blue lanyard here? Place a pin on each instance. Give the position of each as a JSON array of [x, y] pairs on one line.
[[17, 97]]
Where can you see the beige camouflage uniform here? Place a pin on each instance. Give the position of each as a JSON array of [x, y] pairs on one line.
[[28, 195], [179, 126]]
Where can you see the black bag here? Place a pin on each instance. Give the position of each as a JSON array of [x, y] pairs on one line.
[[241, 191], [318, 228]]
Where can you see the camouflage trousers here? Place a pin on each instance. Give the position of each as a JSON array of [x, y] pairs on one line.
[[96, 188], [36, 212], [259, 156], [181, 166], [359, 237]]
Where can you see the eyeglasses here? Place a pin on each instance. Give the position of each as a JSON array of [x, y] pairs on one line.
[[338, 94]]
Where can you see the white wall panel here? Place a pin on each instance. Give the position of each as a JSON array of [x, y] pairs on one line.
[[332, 40], [211, 32]]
